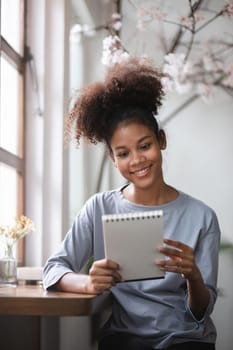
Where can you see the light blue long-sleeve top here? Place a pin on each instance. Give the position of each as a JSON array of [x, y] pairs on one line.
[[155, 309]]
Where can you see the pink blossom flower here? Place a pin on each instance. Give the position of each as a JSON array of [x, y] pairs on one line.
[[177, 73], [168, 84], [173, 64], [228, 9], [146, 15], [198, 17], [190, 21], [116, 21], [211, 64], [112, 51], [186, 21], [111, 42], [205, 91]]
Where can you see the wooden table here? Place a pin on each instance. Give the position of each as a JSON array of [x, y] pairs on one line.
[[35, 301], [31, 303]]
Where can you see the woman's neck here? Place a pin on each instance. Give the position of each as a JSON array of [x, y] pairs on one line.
[[158, 196]]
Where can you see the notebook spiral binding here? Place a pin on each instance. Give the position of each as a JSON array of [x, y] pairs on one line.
[[133, 216]]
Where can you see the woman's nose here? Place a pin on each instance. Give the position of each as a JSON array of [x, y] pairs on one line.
[[137, 158]]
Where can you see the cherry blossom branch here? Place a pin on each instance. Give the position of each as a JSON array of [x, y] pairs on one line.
[[220, 13], [176, 40], [192, 31], [190, 100], [212, 68]]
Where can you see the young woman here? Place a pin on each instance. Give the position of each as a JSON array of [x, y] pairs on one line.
[[169, 313]]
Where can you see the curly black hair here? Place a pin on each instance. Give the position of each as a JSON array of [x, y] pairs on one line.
[[131, 90]]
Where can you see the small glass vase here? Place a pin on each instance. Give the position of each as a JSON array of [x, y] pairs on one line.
[[8, 269]]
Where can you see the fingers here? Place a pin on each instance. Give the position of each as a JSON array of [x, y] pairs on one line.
[[107, 264], [102, 283], [176, 250], [173, 265], [179, 258], [106, 267], [104, 274]]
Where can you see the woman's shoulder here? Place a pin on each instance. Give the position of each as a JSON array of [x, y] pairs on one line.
[[104, 201], [197, 205], [105, 195]]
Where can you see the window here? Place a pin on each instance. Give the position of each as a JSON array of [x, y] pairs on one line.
[[12, 71]]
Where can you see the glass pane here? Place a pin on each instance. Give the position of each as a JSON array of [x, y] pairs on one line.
[[9, 117], [11, 23], [8, 198]]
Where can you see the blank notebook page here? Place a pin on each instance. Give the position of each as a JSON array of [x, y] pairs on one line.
[[132, 240]]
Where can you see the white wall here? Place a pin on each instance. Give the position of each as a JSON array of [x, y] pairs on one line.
[[198, 160]]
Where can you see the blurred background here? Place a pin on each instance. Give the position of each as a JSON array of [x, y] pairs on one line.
[[52, 48]]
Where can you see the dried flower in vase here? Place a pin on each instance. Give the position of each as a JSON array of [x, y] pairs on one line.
[[14, 232]]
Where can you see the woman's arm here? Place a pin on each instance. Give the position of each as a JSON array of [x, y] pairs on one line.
[[102, 276], [198, 296]]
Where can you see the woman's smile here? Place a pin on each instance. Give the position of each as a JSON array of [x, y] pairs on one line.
[[141, 172]]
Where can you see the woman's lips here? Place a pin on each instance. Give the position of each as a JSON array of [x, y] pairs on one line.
[[141, 172]]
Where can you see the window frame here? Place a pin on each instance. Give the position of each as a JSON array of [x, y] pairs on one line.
[[17, 162]]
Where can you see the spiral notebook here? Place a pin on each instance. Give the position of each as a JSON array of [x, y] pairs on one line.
[[132, 241]]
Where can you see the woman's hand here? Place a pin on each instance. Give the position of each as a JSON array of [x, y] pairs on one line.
[[180, 259], [102, 276]]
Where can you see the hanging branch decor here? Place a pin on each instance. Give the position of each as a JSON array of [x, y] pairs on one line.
[[190, 65]]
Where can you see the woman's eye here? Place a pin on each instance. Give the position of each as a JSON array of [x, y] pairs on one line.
[[145, 146], [122, 154]]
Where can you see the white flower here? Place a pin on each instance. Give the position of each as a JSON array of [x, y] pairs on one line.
[[111, 42], [116, 21], [205, 91], [112, 51], [183, 87], [174, 63], [168, 84], [211, 64], [190, 21], [177, 73], [117, 25]]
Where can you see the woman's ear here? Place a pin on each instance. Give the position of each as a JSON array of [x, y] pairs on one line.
[[112, 158], [162, 139]]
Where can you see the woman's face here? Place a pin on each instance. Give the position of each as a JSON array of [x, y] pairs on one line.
[[136, 152]]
